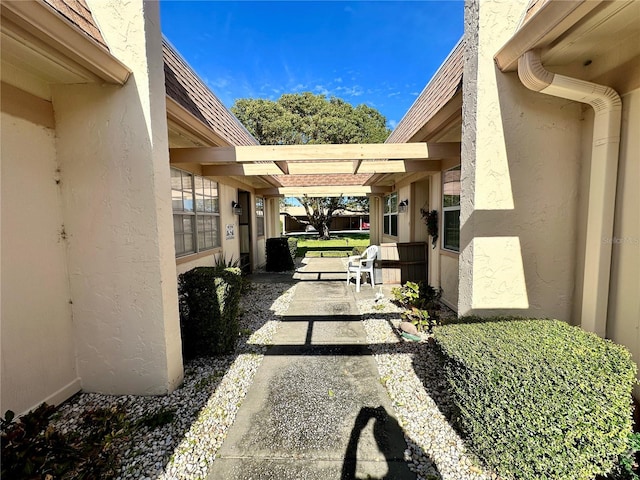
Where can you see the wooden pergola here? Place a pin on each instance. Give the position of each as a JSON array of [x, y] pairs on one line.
[[275, 163]]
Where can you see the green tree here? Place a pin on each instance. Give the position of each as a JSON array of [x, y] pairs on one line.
[[305, 118]]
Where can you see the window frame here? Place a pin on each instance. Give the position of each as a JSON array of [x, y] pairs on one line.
[[204, 199], [388, 214], [259, 209], [447, 209]]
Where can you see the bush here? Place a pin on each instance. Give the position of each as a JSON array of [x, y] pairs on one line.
[[278, 255], [209, 302], [292, 242], [539, 398]]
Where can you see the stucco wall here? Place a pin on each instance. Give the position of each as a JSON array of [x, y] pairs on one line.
[[188, 263], [449, 280], [623, 325], [520, 182], [38, 349], [405, 220], [420, 199], [113, 153]]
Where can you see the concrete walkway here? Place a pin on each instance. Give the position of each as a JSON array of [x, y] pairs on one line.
[[316, 409]]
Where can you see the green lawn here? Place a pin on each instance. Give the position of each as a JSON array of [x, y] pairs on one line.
[[341, 246]]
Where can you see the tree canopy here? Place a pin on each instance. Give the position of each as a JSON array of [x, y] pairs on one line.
[[305, 118], [301, 118]]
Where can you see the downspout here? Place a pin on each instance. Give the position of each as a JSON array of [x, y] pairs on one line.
[[602, 182]]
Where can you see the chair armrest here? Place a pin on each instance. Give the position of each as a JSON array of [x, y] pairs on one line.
[[353, 258]]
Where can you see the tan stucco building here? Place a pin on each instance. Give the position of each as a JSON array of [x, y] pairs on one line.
[[120, 169]]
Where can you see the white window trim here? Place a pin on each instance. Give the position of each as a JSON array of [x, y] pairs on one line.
[[389, 214], [195, 215], [448, 209]]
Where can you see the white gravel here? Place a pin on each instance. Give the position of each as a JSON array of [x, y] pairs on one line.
[[410, 371], [205, 405]]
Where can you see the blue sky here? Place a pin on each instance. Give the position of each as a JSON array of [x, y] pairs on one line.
[[378, 53]]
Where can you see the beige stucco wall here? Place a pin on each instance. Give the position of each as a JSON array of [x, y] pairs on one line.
[[623, 325], [520, 182], [420, 198], [113, 153], [449, 279], [38, 350]]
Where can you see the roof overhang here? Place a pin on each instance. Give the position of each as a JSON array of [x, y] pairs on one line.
[[36, 37], [550, 21]]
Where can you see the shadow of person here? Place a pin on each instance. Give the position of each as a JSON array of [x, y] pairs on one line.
[[389, 439]]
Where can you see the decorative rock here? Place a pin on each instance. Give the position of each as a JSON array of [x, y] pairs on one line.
[[409, 328]]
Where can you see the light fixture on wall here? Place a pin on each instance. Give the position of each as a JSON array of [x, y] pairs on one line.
[[237, 209], [403, 206]]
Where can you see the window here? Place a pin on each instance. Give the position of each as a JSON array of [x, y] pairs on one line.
[[390, 219], [451, 209], [196, 214], [260, 216]]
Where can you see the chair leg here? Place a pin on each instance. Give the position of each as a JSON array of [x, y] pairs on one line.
[[358, 277]]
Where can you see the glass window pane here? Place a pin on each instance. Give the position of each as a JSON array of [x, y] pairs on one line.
[[394, 225], [394, 203], [216, 205], [187, 199], [179, 240], [187, 224], [216, 231], [198, 184], [176, 179], [177, 224], [199, 203], [176, 200], [451, 230], [451, 187], [208, 205], [188, 243]]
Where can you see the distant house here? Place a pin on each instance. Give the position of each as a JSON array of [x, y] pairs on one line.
[[294, 220], [121, 170]]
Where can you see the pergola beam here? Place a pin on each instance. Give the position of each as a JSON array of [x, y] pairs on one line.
[[322, 168], [323, 191], [314, 153]]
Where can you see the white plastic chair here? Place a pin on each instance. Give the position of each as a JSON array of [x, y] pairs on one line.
[[359, 264]]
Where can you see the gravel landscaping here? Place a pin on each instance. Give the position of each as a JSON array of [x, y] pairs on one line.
[[410, 371], [199, 412], [177, 436]]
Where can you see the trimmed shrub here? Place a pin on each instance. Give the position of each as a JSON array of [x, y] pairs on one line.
[[292, 242], [539, 398], [278, 255], [209, 302]]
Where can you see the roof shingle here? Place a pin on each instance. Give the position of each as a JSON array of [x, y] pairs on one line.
[[78, 13], [185, 87]]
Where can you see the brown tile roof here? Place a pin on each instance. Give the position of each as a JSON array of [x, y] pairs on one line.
[[440, 89], [185, 87], [322, 180], [78, 13]]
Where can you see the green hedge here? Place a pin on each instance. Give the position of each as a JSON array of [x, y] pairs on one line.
[[209, 302], [292, 242], [539, 398], [278, 255]]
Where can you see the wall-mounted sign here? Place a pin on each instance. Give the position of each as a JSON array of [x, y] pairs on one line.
[[231, 232]]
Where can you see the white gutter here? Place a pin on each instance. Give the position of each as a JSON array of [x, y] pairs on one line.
[[602, 183]]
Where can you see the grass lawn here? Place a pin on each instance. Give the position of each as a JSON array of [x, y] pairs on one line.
[[341, 246]]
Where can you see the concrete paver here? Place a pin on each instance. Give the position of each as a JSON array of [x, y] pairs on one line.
[[316, 409]]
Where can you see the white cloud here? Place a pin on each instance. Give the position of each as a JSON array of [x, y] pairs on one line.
[[338, 80], [321, 90], [392, 124], [394, 94]]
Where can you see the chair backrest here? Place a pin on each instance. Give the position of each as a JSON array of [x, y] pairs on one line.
[[370, 254]]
